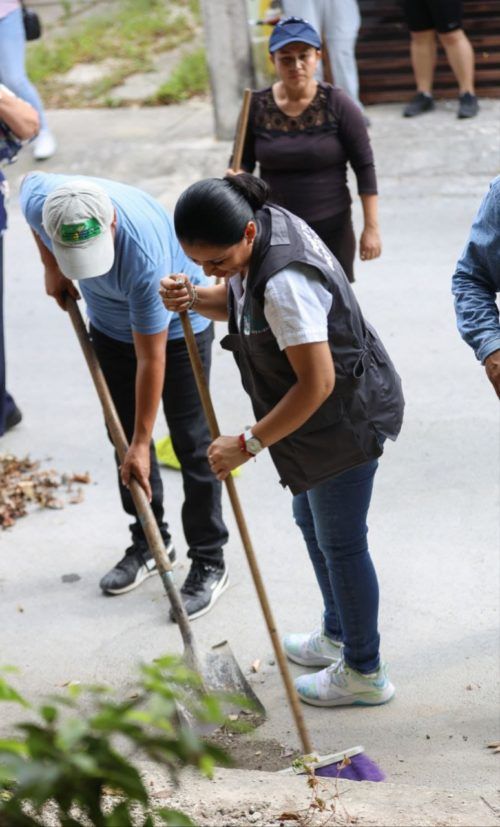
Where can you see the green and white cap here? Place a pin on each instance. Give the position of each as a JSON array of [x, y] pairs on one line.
[[77, 217]]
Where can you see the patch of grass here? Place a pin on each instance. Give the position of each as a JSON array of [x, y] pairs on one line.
[[131, 31], [194, 8], [189, 78]]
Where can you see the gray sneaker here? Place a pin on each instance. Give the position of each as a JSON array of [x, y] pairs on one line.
[[135, 567], [339, 685], [315, 649], [468, 105], [202, 587], [419, 104]]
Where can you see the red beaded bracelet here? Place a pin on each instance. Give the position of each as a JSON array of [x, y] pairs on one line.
[[243, 446]]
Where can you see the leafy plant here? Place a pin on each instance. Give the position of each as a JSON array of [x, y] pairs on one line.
[[74, 760], [189, 78], [128, 32]]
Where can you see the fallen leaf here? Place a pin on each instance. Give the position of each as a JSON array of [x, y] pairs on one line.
[[23, 484], [83, 478], [77, 497], [54, 502], [255, 665]]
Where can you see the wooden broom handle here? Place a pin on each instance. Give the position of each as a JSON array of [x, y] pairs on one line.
[[141, 502], [241, 131], [208, 408]]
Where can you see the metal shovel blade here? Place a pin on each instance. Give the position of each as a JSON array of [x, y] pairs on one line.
[[223, 674]]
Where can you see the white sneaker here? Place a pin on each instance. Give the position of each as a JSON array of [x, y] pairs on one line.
[[44, 145], [316, 649], [339, 685]]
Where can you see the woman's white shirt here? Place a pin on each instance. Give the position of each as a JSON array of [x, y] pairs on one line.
[[296, 305]]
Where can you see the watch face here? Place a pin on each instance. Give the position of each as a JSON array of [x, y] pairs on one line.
[[253, 444]]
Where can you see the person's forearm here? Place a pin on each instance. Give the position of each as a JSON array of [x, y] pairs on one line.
[[295, 408], [370, 211], [211, 302], [46, 255], [20, 116], [148, 390], [477, 313]]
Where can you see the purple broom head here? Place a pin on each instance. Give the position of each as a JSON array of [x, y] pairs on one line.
[[356, 768]]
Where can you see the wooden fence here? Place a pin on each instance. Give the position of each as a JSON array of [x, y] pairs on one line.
[[383, 52]]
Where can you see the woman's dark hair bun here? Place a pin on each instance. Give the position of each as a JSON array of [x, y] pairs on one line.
[[217, 210], [253, 189]]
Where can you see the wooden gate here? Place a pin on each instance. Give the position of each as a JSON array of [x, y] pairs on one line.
[[383, 52]]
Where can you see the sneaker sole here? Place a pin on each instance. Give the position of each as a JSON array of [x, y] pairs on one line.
[[137, 582], [220, 589], [351, 700], [319, 662]]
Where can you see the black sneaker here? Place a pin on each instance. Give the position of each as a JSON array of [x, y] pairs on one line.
[[418, 105], [202, 587], [468, 105], [13, 418], [135, 567]]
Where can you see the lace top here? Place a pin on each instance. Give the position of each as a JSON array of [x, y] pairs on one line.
[[304, 158], [316, 117]]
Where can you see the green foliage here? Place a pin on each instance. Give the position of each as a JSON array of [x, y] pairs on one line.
[[189, 78], [127, 33], [7, 692], [74, 758]]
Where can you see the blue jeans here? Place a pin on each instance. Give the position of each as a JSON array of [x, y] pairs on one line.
[[332, 518], [7, 404], [12, 62], [338, 22]]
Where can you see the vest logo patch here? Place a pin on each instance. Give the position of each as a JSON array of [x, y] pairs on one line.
[[317, 244]]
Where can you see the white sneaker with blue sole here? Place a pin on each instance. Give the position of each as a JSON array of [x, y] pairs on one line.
[[315, 649], [340, 685]]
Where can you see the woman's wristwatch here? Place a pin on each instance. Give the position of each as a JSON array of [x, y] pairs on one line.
[[249, 443]]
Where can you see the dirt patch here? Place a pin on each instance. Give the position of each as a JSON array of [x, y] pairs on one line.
[[250, 753]]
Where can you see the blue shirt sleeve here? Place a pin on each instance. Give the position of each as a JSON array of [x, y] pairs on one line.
[[477, 279], [32, 197], [147, 312]]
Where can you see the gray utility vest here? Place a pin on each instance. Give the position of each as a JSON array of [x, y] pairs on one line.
[[366, 405]]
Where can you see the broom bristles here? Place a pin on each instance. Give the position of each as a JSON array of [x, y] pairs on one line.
[[358, 768]]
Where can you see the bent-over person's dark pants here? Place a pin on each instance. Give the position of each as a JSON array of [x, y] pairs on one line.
[[202, 521]]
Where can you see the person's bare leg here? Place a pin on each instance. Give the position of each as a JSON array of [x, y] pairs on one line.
[[423, 51], [460, 56]]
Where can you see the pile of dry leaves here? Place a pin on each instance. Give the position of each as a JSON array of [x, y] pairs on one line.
[[24, 484]]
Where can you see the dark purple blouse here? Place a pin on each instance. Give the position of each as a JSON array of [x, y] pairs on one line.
[[304, 159]]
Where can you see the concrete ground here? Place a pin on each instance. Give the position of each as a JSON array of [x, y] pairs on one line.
[[434, 519]]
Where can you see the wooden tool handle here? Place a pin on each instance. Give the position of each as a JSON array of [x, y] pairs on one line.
[[141, 502], [245, 538], [241, 131]]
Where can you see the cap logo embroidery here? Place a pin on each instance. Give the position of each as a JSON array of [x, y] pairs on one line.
[[74, 233]]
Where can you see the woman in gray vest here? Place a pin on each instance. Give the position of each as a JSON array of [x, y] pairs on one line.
[[325, 396]]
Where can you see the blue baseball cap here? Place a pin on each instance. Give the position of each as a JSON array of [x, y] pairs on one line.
[[293, 30]]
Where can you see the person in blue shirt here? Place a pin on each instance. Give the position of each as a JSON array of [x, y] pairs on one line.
[[118, 242], [476, 283], [18, 122]]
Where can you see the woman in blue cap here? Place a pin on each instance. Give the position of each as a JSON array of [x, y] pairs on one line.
[[303, 133]]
